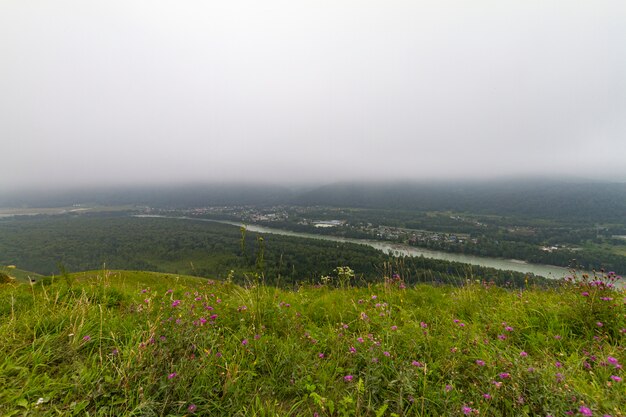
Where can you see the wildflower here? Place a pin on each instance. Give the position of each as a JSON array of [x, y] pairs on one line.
[[423, 325], [558, 364], [352, 349], [387, 354], [480, 362], [448, 388], [502, 337], [257, 336], [374, 360], [86, 338], [360, 339], [616, 378], [504, 375], [394, 328], [416, 363], [348, 378], [486, 396], [467, 410], [585, 411], [599, 324], [175, 303], [508, 328], [374, 297], [192, 408], [115, 352], [172, 375], [612, 360], [585, 294], [523, 354], [559, 377], [320, 355], [244, 342]]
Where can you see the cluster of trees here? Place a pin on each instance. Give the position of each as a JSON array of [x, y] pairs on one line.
[[86, 242]]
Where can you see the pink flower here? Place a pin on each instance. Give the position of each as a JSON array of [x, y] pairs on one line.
[[504, 375], [87, 338], [172, 375], [467, 410], [320, 355], [244, 342], [352, 349], [416, 363], [523, 354], [612, 360], [486, 396], [192, 408], [175, 303], [386, 353], [616, 378], [394, 328], [480, 362], [585, 411], [423, 325], [348, 378]]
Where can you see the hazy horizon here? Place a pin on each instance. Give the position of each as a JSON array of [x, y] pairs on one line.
[[149, 92]]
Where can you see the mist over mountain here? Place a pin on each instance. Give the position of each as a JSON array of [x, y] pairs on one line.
[[589, 200]]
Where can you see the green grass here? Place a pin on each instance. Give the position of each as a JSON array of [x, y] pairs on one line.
[[147, 344], [19, 274]]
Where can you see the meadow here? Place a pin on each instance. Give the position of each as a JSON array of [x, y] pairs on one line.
[[113, 343]]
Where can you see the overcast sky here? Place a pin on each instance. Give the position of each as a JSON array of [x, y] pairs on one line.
[[106, 92]]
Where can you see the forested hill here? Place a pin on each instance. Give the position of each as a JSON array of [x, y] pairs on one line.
[[591, 201]]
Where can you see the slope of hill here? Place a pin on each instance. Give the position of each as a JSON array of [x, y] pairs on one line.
[[590, 201], [138, 343]]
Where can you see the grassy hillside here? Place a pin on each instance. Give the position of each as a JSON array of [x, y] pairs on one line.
[[19, 274], [140, 344]]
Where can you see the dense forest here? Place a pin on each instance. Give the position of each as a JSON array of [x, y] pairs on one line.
[[86, 242]]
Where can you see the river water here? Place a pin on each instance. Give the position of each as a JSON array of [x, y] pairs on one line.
[[548, 271]]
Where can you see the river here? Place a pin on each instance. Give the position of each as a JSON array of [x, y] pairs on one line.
[[548, 271]]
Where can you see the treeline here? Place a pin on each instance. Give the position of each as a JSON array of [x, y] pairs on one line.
[[86, 242]]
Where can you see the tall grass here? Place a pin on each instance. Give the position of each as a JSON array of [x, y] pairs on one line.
[[144, 344]]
